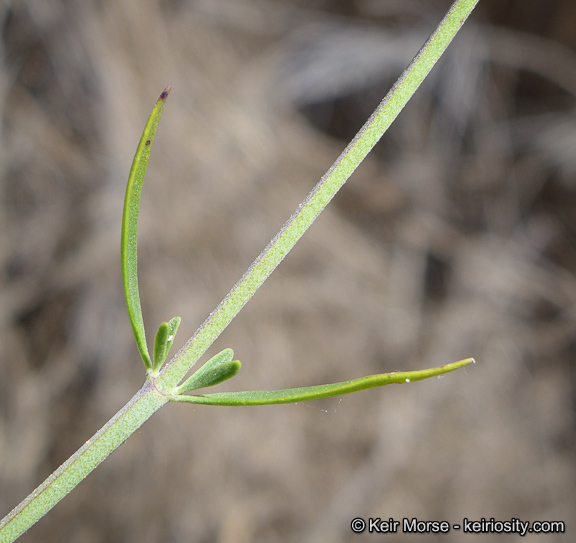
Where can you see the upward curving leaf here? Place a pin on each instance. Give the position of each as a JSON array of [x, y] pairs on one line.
[[128, 247], [218, 369], [163, 341]]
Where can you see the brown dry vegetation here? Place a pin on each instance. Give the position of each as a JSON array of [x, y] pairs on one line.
[[456, 238]]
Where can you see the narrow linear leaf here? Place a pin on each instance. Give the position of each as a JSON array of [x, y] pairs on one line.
[[163, 341], [293, 395], [219, 368], [128, 246]]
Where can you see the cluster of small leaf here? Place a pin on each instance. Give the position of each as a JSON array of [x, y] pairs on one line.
[[219, 368], [222, 366]]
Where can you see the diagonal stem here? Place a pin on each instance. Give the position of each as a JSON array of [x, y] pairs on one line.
[[319, 198], [117, 430]]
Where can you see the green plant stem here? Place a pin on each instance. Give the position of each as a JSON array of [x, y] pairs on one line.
[[154, 394], [174, 371], [117, 430]]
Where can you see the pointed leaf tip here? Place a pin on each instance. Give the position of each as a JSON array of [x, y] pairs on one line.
[[165, 93]]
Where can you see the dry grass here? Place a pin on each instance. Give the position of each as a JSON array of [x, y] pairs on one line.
[[455, 239]]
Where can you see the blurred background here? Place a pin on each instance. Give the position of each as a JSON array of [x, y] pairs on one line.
[[456, 238]]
